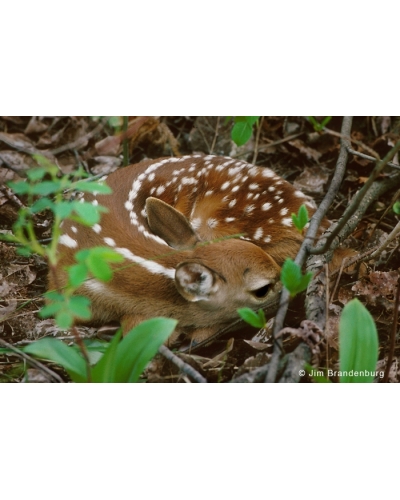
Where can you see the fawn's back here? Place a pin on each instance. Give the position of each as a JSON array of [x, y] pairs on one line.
[[160, 216]]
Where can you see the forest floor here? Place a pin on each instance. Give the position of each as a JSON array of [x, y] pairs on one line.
[[290, 146]]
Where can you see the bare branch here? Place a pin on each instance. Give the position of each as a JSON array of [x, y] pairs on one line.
[[184, 367]]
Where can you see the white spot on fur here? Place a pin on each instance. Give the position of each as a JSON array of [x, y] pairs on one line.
[[73, 229], [249, 196], [211, 223], [280, 200], [266, 206], [128, 205], [160, 190], [95, 203], [271, 189], [232, 203], [235, 188], [256, 196], [254, 186], [109, 241], [267, 239], [249, 209], [68, 241], [97, 228], [149, 265], [287, 221], [258, 234], [196, 223], [284, 211], [230, 219], [268, 173], [188, 180], [225, 185], [209, 193]]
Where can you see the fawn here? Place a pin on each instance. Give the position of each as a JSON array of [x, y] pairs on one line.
[[164, 217]]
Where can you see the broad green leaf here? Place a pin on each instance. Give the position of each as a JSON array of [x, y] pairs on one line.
[[50, 309], [358, 343], [241, 133], [64, 319], [63, 209], [251, 317], [89, 213], [46, 187], [301, 219], [79, 306], [292, 278], [77, 274], [92, 187], [20, 187], [42, 204], [396, 208], [58, 352], [36, 174], [105, 369], [139, 346], [99, 268]]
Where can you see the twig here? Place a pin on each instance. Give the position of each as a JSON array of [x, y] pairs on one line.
[[184, 367], [354, 141], [259, 128], [311, 233], [272, 144], [371, 158], [81, 140], [357, 199], [31, 361], [215, 135], [394, 234], [393, 333]]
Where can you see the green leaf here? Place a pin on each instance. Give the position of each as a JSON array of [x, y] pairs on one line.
[[92, 187], [63, 209], [293, 279], [36, 174], [139, 346], [46, 164], [251, 317], [51, 309], [358, 344], [58, 352], [396, 208], [77, 274], [41, 204], [46, 187], [20, 187], [241, 133], [105, 369], [64, 319], [301, 219], [99, 268], [89, 213], [80, 306]]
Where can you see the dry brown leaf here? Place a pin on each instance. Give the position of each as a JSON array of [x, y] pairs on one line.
[[312, 180]]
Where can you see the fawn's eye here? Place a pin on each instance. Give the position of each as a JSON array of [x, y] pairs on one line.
[[262, 292]]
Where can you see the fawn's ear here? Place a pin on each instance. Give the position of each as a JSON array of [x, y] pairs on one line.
[[195, 281], [169, 224]]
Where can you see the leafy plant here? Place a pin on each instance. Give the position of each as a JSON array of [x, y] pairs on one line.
[[396, 208], [120, 361], [301, 219], [318, 127], [243, 129], [123, 361], [293, 279], [358, 344], [256, 319]]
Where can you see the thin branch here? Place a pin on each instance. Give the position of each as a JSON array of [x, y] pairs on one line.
[[31, 361], [394, 234], [310, 236], [215, 135], [81, 141], [362, 193], [259, 128], [184, 367], [371, 158], [393, 333]]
